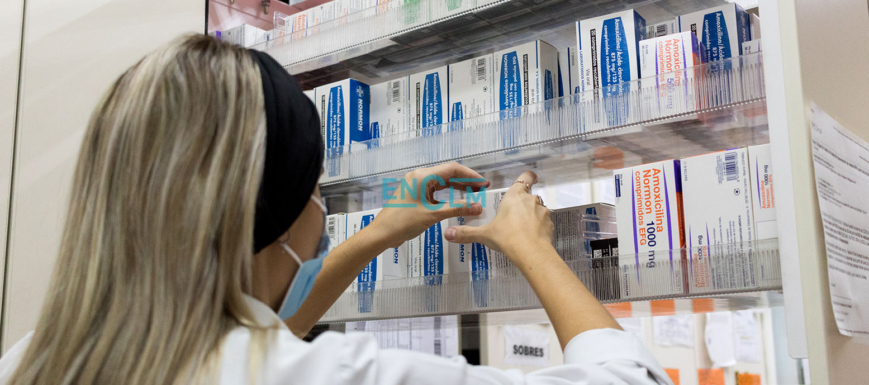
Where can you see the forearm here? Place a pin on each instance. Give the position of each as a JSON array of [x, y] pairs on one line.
[[340, 267], [571, 308]]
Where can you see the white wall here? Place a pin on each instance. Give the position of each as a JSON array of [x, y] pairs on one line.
[[11, 15], [73, 50]]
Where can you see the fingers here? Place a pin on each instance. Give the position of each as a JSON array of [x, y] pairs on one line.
[[458, 209], [454, 175], [524, 182], [465, 234]]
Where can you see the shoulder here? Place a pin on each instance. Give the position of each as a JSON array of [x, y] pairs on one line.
[[10, 360], [332, 358]]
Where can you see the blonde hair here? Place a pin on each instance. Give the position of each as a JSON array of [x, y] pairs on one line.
[[157, 246]]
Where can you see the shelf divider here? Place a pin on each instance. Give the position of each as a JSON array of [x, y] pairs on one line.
[[756, 264]]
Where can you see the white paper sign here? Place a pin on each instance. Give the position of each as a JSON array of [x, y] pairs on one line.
[[435, 335], [635, 326], [676, 330], [747, 339], [526, 347], [719, 339], [842, 181]]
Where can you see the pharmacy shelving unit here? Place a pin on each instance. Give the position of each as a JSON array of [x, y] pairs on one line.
[[807, 56]]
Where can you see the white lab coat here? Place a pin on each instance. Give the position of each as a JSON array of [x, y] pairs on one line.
[[605, 356]]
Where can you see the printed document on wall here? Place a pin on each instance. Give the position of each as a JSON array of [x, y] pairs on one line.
[[842, 180], [675, 330], [745, 330]]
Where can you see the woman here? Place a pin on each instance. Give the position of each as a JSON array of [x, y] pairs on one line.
[[195, 220]]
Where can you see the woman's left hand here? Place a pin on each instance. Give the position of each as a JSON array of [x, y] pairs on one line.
[[413, 209]]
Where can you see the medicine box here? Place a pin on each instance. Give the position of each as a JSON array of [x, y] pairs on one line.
[[525, 75], [661, 29], [344, 119], [336, 229], [751, 47], [344, 8], [721, 30], [389, 110], [568, 71], [605, 283], [442, 8], [243, 35], [665, 59], [310, 95], [428, 98], [762, 197], [391, 264], [755, 27], [609, 46], [322, 13], [298, 23], [576, 226], [476, 258], [471, 88], [650, 233], [428, 253], [718, 219]]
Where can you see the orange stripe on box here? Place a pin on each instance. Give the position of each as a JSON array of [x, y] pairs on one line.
[[703, 305], [747, 379], [710, 376], [674, 375], [619, 310], [663, 307]]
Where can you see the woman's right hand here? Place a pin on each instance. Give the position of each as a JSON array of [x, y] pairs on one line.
[[521, 226]]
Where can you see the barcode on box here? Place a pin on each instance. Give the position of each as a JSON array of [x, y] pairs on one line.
[[481, 69], [330, 230], [730, 167], [396, 93], [661, 30], [437, 348]]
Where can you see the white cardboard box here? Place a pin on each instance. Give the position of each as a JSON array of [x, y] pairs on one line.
[[755, 27], [476, 258], [310, 94], [662, 29], [721, 30], [751, 47], [298, 23], [576, 226], [762, 197], [391, 264], [568, 72], [649, 216], [344, 119], [471, 88], [609, 46], [389, 110], [525, 75], [428, 98], [243, 35], [665, 59], [336, 229], [719, 225], [428, 253]]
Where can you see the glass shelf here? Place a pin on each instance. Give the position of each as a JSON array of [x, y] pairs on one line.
[[577, 137], [413, 35], [735, 276]]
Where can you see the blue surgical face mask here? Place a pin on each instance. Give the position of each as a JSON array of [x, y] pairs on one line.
[[306, 274]]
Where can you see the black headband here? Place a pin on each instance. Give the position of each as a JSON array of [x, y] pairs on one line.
[[294, 153]]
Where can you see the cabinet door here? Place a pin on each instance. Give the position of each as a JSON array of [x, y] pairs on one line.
[[11, 16], [72, 52]]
